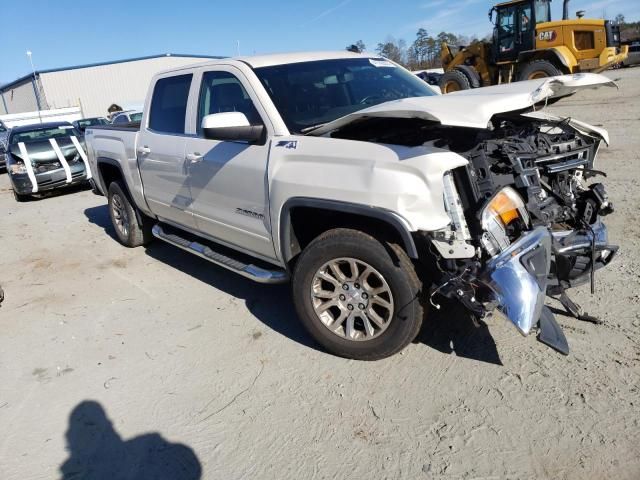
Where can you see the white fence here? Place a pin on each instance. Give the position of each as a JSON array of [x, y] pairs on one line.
[[27, 118]]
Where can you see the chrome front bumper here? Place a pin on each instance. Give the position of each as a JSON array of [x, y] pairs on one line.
[[518, 276]]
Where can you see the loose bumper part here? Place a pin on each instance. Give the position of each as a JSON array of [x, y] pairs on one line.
[[517, 277]]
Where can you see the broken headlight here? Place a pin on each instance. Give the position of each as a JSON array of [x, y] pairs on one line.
[[17, 168], [503, 215]]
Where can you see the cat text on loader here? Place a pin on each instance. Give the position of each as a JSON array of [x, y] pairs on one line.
[[527, 45]]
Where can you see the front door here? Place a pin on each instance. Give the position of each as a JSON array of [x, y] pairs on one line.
[[228, 179], [161, 151]]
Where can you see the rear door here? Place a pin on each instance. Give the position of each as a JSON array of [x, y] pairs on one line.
[[228, 179], [161, 150]]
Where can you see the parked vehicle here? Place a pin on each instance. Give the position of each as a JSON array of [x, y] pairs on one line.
[[81, 125], [4, 133], [130, 116], [43, 157], [431, 76], [634, 56], [346, 174]]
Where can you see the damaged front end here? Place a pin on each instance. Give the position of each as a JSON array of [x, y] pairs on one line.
[[528, 203], [526, 217], [526, 214]]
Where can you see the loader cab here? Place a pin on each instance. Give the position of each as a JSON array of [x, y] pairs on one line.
[[515, 27]]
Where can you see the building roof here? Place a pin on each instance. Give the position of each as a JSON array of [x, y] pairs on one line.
[[99, 64]]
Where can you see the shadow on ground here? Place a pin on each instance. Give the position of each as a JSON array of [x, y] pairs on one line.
[[97, 452], [448, 330], [100, 216], [271, 304]]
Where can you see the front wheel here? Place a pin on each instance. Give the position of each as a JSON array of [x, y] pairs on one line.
[[538, 69], [358, 297], [124, 219]]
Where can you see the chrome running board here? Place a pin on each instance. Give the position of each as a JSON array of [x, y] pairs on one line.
[[253, 272]]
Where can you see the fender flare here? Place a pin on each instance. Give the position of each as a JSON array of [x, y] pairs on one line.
[[387, 216]]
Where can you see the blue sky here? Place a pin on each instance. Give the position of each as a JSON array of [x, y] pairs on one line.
[[64, 33]]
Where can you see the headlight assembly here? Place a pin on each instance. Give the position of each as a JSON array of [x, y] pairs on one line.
[[17, 168], [503, 210]]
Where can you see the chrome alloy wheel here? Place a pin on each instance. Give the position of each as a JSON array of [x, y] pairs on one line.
[[120, 215], [352, 299]]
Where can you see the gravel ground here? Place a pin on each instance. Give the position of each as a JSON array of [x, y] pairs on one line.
[[151, 363]]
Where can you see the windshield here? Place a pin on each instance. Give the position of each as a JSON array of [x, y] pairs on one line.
[[136, 117], [310, 94], [43, 134]]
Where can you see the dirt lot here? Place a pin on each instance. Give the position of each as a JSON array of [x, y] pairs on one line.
[[155, 362]]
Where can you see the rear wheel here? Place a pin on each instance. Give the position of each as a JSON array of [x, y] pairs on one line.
[[453, 81], [358, 297], [538, 69], [124, 219]]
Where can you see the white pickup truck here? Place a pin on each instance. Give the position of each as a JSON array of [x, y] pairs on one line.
[[346, 174]]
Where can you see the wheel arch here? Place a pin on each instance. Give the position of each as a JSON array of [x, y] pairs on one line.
[[560, 56], [110, 170], [293, 236]]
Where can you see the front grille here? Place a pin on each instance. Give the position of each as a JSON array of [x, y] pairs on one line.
[[560, 162]]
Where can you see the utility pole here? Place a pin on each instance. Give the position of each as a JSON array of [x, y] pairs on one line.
[[36, 88]]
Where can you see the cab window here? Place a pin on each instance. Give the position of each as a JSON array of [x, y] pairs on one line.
[[543, 11], [223, 92], [169, 104]]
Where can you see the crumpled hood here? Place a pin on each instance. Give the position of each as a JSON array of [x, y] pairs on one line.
[[474, 108]]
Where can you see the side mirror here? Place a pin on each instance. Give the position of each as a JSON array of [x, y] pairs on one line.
[[231, 126]]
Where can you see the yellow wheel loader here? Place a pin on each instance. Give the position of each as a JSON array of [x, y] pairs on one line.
[[526, 45]]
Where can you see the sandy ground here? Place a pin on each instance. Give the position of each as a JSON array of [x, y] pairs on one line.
[[155, 362]]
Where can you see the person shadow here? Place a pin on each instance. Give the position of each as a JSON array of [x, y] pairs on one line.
[[97, 452]]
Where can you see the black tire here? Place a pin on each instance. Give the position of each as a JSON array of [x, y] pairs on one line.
[[472, 74], [124, 219], [389, 261], [453, 81], [538, 69], [20, 198]]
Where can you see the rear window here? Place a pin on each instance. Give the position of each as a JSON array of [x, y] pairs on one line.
[[62, 131], [169, 104]]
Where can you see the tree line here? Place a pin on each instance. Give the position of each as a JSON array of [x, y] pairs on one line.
[[421, 54]]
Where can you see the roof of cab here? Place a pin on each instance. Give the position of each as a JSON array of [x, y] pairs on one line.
[[258, 61]]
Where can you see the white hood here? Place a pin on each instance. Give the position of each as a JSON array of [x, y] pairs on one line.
[[474, 108]]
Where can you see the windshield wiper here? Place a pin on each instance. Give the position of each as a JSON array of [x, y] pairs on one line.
[[314, 127]]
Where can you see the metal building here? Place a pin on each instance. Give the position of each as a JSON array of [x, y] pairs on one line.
[[91, 87]]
